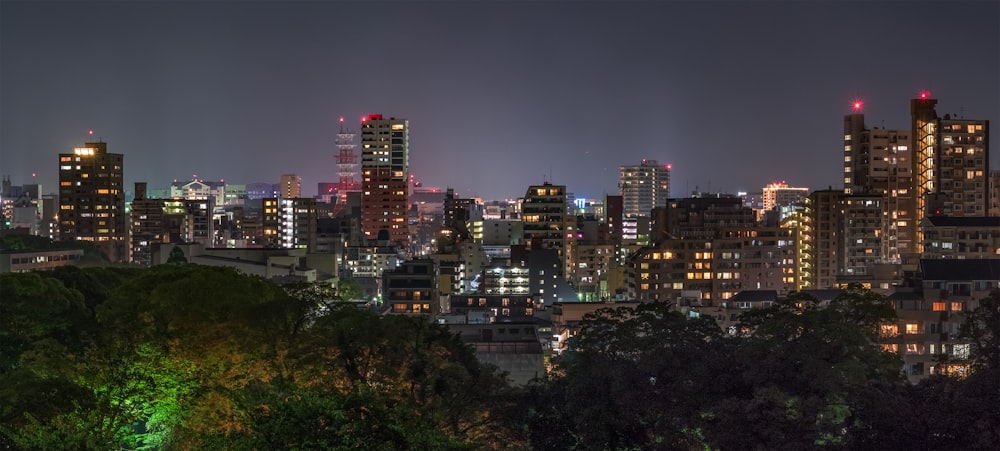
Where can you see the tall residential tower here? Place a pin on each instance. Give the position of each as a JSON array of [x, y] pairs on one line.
[[879, 162], [951, 162], [385, 171], [643, 187], [92, 199]]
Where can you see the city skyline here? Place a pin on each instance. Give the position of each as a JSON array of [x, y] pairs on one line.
[[527, 92]]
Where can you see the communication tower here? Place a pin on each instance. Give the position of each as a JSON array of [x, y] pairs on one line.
[[347, 161]]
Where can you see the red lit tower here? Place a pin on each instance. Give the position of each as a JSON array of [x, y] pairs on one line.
[[347, 163]]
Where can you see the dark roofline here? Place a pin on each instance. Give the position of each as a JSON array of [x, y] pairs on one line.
[[969, 221], [960, 269]]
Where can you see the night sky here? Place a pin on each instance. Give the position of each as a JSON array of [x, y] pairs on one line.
[[499, 95]]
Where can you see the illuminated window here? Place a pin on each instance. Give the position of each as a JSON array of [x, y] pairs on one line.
[[939, 306], [956, 306], [912, 328]]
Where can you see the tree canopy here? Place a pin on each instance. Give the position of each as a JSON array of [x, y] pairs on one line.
[[798, 375], [193, 357], [198, 357]]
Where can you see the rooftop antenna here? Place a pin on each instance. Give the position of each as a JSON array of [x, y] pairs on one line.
[[961, 112]]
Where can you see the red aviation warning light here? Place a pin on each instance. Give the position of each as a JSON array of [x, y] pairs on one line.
[[925, 95], [857, 104], [341, 120]]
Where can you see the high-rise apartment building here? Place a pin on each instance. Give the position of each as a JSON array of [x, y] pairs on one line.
[[879, 162], [291, 186], [951, 163], [290, 223], [820, 246], [547, 223], [644, 187], [707, 270], [701, 217], [861, 242], [544, 214], [963, 167], [159, 221], [385, 173], [147, 226], [92, 199], [779, 194]]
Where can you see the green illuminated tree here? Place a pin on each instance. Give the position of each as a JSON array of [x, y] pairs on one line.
[[349, 289], [390, 383], [192, 357]]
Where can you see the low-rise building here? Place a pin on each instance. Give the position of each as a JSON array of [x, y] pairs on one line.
[[412, 289], [566, 317], [493, 307], [513, 347], [37, 260]]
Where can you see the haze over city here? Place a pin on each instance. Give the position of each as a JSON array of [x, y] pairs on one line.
[[732, 95]]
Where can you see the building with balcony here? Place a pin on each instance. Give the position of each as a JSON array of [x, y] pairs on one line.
[[643, 187], [92, 199], [948, 237], [411, 289]]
